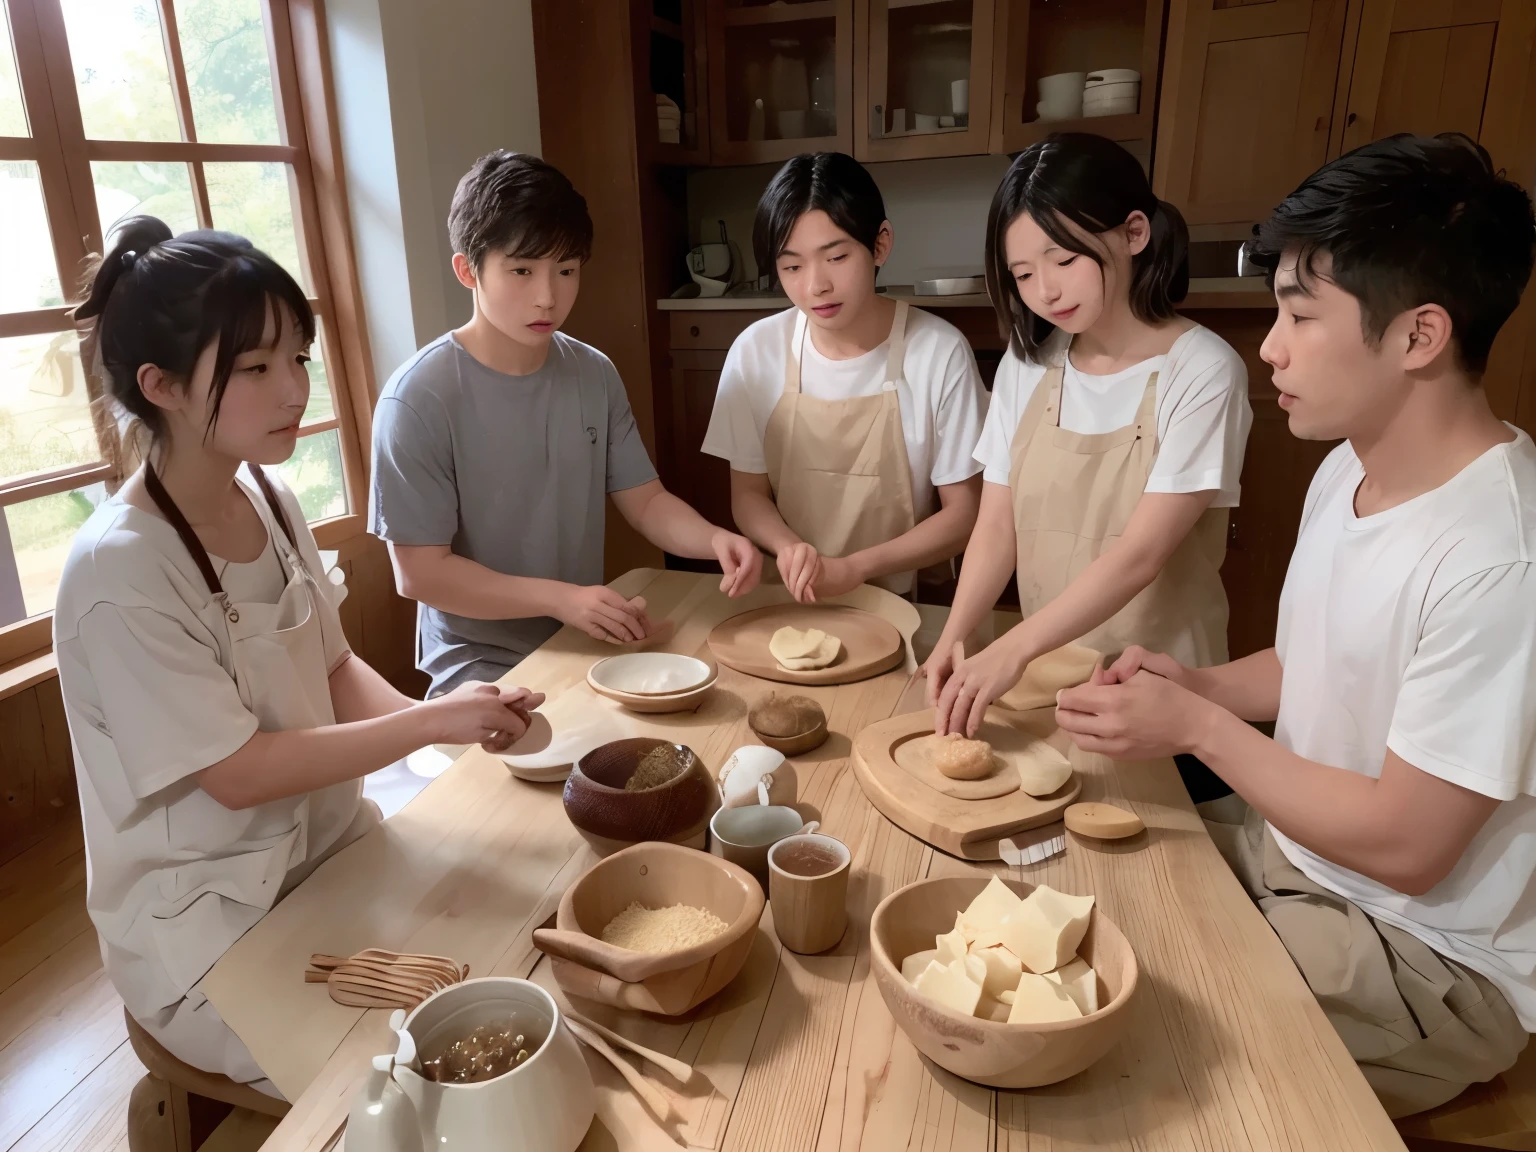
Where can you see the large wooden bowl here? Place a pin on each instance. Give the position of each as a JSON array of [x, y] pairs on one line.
[[658, 876], [1001, 1055], [610, 818]]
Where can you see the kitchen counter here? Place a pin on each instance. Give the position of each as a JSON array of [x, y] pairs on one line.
[[1204, 292]]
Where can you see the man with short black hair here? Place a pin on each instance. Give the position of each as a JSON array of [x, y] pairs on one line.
[[494, 446], [1391, 838]]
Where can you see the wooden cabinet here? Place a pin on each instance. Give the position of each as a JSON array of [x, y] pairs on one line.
[[923, 78], [1428, 66], [1039, 38], [1247, 102], [1259, 93], [673, 49], [780, 79]]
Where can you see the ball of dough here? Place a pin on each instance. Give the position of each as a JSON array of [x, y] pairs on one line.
[[962, 759]]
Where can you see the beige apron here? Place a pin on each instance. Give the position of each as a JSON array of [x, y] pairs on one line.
[[1072, 496], [238, 863], [839, 468]]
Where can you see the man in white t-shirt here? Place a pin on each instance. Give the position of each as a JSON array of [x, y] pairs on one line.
[[1391, 839]]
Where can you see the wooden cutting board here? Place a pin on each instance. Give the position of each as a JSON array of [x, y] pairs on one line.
[[969, 829], [871, 645]]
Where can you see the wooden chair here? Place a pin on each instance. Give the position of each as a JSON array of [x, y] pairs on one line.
[[159, 1109], [1498, 1114]]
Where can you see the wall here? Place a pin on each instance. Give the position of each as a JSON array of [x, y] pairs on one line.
[[422, 90], [937, 209]]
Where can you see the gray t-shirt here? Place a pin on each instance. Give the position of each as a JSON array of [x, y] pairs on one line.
[[509, 471]]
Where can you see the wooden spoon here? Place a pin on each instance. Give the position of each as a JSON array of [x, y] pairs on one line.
[[623, 963], [657, 1101], [677, 1069]]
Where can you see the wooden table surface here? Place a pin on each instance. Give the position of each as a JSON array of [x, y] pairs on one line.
[[1227, 1048]]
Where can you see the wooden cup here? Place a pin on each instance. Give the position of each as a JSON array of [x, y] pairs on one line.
[[809, 912]]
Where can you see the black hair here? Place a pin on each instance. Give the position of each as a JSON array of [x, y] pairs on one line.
[[835, 183], [155, 299], [1406, 221], [519, 204], [1096, 184]]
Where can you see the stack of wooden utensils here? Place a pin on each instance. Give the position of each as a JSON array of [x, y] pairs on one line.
[[377, 978]]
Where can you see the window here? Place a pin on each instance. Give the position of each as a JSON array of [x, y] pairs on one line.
[[195, 111]]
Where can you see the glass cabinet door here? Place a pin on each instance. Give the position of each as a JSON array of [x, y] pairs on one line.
[[783, 83], [929, 78]]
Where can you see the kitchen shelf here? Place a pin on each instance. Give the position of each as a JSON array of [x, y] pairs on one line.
[[1130, 126], [781, 13]]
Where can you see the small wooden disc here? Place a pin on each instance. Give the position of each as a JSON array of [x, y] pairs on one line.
[[1102, 821]]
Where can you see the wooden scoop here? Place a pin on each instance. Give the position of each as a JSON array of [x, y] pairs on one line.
[[378, 978], [623, 963]]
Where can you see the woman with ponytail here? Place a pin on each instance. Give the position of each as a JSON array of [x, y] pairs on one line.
[[221, 725], [1115, 438]]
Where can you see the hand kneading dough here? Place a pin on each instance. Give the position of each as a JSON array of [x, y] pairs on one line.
[[962, 759], [804, 651]]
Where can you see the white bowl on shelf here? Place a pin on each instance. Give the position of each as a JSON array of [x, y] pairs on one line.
[[1113, 91], [1116, 106], [1100, 76]]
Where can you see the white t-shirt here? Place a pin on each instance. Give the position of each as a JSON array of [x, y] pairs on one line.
[[941, 397], [1415, 629], [1203, 415]]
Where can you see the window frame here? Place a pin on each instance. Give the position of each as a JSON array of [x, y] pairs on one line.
[[303, 93]]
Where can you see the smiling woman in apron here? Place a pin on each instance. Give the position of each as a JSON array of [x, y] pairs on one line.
[[849, 419], [221, 726], [1115, 438]]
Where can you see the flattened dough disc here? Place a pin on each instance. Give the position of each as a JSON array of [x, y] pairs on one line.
[[920, 755], [871, 645]]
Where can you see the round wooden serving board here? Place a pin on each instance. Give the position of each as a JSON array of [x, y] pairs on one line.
[[870, 645], [969, 829]]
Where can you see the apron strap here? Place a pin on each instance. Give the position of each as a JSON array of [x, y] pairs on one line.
[[276, 505], [168, 509], [1146, 414], [897, 357], [797, 339]]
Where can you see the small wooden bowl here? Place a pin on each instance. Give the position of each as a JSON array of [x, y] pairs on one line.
[[603, 676], [796, 745], [1000, 1055], [656, 875], [611, 818]]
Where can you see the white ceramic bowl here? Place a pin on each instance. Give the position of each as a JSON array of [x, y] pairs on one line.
[[649, 674], [1120, 107], [545, 1104], [1112, 76], [1131, 88]]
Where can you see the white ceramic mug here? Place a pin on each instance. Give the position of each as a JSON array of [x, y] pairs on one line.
[[960, 97], [743, 835]]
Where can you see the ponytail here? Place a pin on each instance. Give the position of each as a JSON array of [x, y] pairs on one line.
[[1095, 184], [158, 300]]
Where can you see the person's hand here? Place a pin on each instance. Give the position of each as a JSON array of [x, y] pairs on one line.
[[602, 613], [977, 682], [482, 714], [838, 575], [740, 560], [1134, 659], [799, 566], [1143, 717], [939, 667]]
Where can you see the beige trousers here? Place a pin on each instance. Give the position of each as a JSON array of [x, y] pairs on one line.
[[1420, 1026]]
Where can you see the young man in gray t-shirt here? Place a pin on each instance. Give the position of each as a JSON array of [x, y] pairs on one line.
[[495, 445]]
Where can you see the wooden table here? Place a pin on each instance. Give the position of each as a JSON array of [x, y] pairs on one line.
[[1227, 1048]]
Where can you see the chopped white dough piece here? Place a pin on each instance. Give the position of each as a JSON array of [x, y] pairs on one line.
[[951, 946], [913, 965], [1001, 967], [1046, 929], [1080, 983], [994, 1010], [1037, 1001], [1007, 997], [975, 969], [950, 986], [988, 910]]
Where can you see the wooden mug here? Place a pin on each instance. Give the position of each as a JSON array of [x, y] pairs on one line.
[[809, 912]]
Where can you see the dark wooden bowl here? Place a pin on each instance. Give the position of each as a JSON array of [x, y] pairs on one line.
[[610, 818]]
